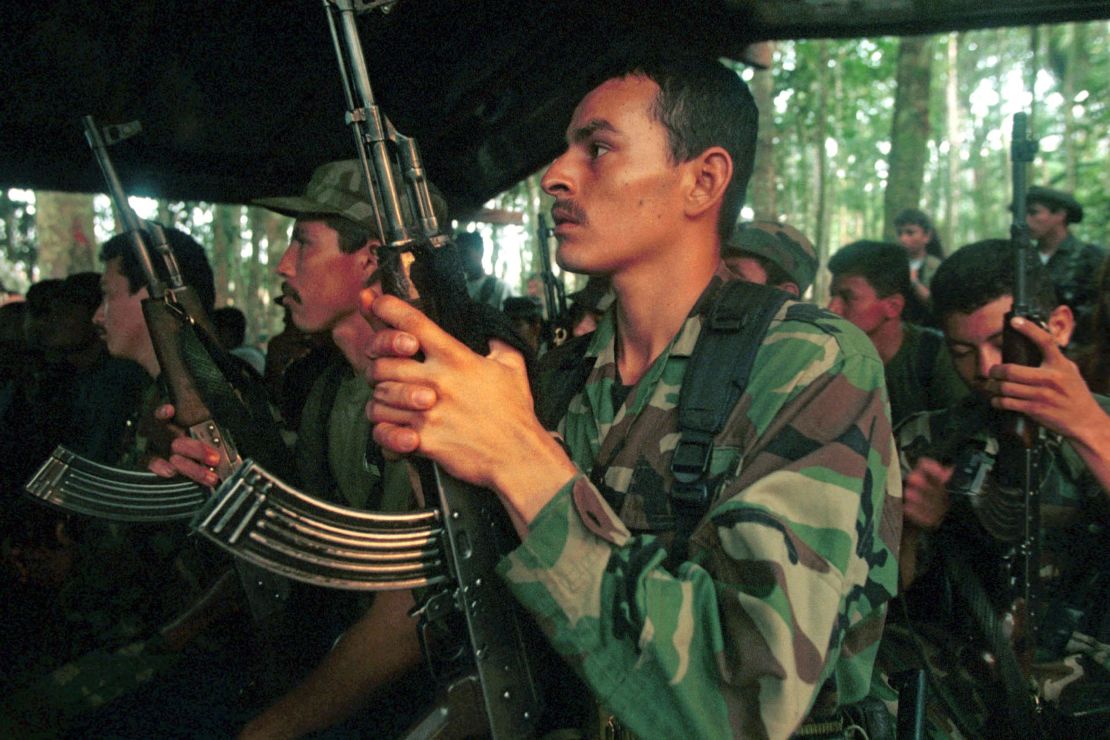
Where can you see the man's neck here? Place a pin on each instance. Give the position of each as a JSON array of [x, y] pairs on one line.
[[653, 303], [351, 335], [888, 338], [1050, 242]]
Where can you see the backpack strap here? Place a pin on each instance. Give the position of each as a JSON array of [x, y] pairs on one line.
[[715, 379], [561, 374]]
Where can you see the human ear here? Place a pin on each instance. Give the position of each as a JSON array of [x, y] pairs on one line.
[[1061, 324], [895, 304], [712, 174]]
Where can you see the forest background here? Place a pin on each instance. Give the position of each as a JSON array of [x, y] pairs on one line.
[[851, 132]]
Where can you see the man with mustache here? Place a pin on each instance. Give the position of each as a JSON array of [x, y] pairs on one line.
[[330, 259], [771, 613]]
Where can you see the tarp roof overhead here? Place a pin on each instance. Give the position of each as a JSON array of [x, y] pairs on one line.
[[241, 100]]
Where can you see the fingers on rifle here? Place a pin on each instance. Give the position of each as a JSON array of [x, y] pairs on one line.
[[404, 395], [400, 315], [392, 343], [164, 412], [1037, 334], [194, 470], [397, 439], [162, 467]]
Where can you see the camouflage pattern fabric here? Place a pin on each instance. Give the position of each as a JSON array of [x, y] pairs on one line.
[[782, 244], [1072, 664], [785, 589]]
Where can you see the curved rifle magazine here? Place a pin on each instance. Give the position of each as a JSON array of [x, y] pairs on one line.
[[261, 519], [78, 485]]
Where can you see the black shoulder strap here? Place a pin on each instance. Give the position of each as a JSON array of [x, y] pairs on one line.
[[561, 374], [715, 379]]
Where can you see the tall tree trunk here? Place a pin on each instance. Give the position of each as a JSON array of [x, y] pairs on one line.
[[953, 119], [762, 190], [225, 240], [910, 130], [64, 229], [820, 235], [1075, 59]]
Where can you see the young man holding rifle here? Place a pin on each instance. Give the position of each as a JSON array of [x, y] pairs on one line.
[[772, 613]]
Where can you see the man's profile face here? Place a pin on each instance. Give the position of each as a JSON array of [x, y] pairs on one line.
[[856, 300], [120, 315], [1043, 221], [321, 282], [914, 239], [617, 192]]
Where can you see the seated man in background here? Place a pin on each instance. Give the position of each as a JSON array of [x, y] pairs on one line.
[[770, 253], [964, 516], [870, 288]]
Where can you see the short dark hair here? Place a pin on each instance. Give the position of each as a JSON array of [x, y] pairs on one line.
[[465, 240], [883, 265], [982, 272], [914, 217], [702, 104], [41, 296], [351, 235], [82, 289], [190, 256]]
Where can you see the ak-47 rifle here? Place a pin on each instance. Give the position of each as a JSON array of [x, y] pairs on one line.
[[194, 370], [557, 318], [488, 682], [190, 360], [1019, 434]]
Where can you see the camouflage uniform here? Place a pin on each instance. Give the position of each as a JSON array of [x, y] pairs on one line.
[[921, 376], [785, 587], [981, 528]]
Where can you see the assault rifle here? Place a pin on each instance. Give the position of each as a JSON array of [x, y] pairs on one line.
[[1019, 439], [72, 483], [557, 319], [195, 370], [488, 683]]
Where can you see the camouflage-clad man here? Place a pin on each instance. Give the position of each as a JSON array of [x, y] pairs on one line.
[[772, 253], [784, 590], [965, 506]]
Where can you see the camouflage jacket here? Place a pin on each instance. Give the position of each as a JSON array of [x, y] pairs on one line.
[[986, 515], [786, 583]]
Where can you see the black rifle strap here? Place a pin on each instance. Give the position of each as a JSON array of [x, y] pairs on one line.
[[715, 379], [716, 376]]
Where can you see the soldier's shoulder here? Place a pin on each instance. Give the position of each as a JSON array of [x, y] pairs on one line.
[[799, 323]]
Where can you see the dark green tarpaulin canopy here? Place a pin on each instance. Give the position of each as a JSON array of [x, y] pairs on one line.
[[242, 99]]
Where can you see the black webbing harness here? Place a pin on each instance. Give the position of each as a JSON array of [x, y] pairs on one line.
[[733, 328]]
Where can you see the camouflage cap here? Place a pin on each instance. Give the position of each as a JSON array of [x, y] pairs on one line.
[[1055, 200], [339, 189], [782, 244]]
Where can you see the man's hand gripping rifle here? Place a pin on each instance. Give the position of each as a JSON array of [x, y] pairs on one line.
[[488, 685], [172, 312]]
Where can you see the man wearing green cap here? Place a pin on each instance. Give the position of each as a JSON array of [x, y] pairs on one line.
[[772, 253], [331, 257], [1072, 264]]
